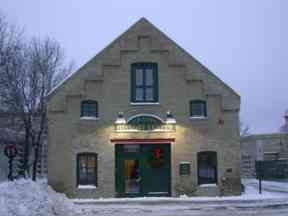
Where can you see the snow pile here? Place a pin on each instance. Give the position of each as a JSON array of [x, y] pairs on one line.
[[26, 198]]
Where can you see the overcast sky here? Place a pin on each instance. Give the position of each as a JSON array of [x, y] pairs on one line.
[[244, 42]]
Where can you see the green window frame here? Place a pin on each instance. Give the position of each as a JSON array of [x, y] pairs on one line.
[[87, 169], [89, 108], [144, 83], [198, 108]]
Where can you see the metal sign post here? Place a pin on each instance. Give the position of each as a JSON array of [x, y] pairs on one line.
[[10, 151], [259, 159]]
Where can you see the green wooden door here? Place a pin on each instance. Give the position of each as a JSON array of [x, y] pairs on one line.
[[142, 170], [156, 170]]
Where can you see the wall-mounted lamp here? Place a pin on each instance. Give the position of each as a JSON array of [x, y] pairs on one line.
[[170, 118], [120, 119]]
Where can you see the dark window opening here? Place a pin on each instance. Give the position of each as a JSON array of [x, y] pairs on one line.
[[89, 108], [144, 82], [198, 108], [207, 167], [87, 169]]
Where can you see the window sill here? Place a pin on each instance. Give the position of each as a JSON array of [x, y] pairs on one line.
[[198, 117], [86, 187], [144, 103], [89, 118], [208, 185]]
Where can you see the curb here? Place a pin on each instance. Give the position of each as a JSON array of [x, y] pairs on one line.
[[269, 203]]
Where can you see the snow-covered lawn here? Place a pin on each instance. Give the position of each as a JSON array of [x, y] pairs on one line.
[[27, 198]]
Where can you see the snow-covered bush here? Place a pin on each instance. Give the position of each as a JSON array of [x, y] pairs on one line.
[[26, 198]]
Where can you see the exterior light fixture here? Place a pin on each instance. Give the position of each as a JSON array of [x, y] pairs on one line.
[[120, 119], [170, 118]]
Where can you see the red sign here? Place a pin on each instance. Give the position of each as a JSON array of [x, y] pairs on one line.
[[10, 150]]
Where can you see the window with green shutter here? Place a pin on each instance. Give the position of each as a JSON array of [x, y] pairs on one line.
[[144, 82]]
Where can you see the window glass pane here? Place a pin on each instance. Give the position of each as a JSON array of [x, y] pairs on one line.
[[91, 171], [82, 162], [143, 75], [89, 109], [132, 176], [91, 179], [139, 76], [87, 169], [91, 162], [198, 109], [131, 148], [149, 77], [82, 177], [149, 94], [207, 168], [139, 94]]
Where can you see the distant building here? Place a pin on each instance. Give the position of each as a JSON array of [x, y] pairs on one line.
[[275, 147]]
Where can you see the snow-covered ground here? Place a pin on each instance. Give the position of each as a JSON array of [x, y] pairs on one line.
[[269, 187], [27, 198], [270, 202]]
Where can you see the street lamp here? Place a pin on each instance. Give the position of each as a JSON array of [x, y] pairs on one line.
[[120, 119], [170, 118]]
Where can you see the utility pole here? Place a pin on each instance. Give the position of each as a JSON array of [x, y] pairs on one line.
[[259, 160]]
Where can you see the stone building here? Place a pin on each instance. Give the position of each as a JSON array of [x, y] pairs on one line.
[[143, 118]]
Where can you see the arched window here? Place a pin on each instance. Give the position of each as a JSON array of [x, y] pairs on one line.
[[145, 122], [144, 83], [198, 108], [207, 167], [89, 108], [87, 169]]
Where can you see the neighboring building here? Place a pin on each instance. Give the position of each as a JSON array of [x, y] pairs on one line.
[[275, 147], [143, 118]]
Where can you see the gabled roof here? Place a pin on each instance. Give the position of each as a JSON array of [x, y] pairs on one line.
[[139, 22]]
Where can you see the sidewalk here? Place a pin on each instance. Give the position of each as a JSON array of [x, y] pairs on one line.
[[274, 194]]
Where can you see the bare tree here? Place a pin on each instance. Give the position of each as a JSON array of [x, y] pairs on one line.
[[244, 129], [27, 70]]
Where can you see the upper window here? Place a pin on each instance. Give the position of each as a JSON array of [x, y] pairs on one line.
[[198, 108], [87, 169], [89, 108], [207, 167], [144, 82]]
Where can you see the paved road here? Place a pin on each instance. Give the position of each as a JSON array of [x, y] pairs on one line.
[[171, 210]]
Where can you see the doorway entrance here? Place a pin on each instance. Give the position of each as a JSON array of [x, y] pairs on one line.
[[142, 170]]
